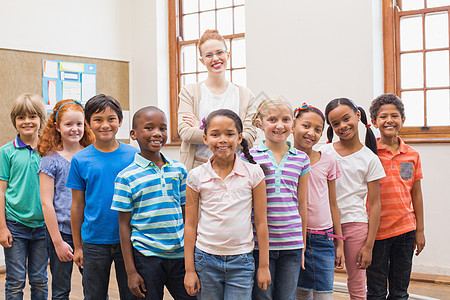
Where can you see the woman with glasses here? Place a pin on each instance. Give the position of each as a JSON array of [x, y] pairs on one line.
[[199, 99]]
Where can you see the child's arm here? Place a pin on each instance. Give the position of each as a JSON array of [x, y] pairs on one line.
[[365, 254], [77, 217], [302, 209], [135, 282], [191, 281], [262, 233], [339, 262], [47, 184], [5, 236], [417, 202]]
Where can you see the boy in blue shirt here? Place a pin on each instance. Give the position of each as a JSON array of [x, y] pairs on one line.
[[150, 195], [95, 227], [22, 229]]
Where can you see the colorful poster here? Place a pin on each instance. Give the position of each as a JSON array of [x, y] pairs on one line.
[[67, 80]]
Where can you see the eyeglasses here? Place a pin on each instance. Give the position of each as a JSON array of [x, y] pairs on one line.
[[210, 56]]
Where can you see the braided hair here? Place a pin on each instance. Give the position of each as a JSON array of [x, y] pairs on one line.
[[239, 126]]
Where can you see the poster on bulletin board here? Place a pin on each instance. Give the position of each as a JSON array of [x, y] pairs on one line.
[[67, 80]]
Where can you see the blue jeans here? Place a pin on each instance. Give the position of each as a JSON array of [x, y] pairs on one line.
[[284, 266], [97, 261], [226, 277], [61, 271], [318, 274], [391, 261], [28, 249], [157, 272]]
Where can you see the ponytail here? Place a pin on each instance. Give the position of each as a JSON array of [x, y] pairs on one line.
[[250, 158], [371, 141], [330, 134]]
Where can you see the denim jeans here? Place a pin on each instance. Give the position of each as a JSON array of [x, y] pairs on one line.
[[28, 249], [391, 261], [61, 271], [284, 266], [97, 261], [157, 272], [318, 274], [227, 277]]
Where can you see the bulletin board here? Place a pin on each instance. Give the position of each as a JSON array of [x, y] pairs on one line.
[[67, 80], [21, 72]]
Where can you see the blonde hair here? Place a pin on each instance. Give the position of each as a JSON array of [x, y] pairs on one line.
[[210, 34], [270, 103], [32, 104]]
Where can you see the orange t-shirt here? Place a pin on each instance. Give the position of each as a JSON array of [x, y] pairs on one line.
[[402, 169]]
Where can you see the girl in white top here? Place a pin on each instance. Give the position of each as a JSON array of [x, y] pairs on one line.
[[359, 184], [219, 242]]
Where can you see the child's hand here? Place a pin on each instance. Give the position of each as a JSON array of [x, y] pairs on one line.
[[191, 283], [364, 257], [78, 257], [191, 119], [303, 258], [419, 242], [64, 251], [6, 238], [340, 260], [136, 285], [263, 278]]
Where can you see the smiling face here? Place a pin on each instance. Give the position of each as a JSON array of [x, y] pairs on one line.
[[104, 125], [71, 126], [28, 125], [389, 121], [277, 124], [150, 131], [308, 128], [214, 56], [344, 121], [222, 137]]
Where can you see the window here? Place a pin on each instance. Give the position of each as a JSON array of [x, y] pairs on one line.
[[188, 19], [417, 69]]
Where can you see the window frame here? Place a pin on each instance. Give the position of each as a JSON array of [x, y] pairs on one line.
[[391, 48], [175, 28]]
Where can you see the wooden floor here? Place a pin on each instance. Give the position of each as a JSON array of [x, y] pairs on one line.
[[427, 289]]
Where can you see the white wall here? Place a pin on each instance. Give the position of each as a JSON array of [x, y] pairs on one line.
[[318, 51]]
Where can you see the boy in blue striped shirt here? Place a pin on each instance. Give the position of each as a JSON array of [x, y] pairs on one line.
[[150, 195]]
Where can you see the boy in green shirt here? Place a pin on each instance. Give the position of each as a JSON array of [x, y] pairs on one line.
[[22, 229]]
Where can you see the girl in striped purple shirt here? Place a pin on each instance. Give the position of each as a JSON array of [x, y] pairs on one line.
[[286, 181]]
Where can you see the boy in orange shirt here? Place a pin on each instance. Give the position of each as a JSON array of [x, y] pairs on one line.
[[401, 228]]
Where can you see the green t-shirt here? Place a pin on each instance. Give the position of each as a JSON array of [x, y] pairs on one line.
[[19, 165]]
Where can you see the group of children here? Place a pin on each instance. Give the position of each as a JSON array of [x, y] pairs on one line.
[[271, 222]]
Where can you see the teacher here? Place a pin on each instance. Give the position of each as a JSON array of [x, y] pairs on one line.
[[199, 99]]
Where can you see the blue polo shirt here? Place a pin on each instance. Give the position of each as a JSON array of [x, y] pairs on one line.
[[19, 165], [154, 197]]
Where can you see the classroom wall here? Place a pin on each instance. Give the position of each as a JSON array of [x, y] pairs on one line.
[[302, 50]]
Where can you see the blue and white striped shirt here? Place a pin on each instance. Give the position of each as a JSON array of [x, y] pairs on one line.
[[154, 197]]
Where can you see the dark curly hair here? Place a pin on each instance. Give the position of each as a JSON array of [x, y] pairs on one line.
[[383, 100]]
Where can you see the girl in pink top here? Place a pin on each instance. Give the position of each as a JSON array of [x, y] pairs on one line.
[[316, 280], [220, 194]]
